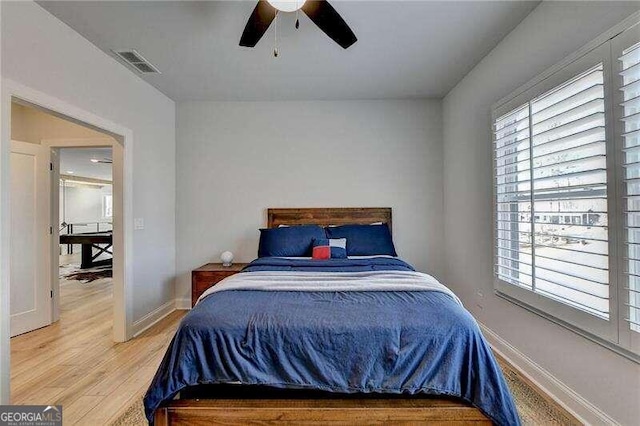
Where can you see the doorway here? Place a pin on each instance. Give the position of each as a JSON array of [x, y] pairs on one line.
[[15, 92], [84, 192], [78, 199]]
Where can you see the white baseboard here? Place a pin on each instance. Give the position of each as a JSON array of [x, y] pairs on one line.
[[570, 400], [153, 317], [183, 304]]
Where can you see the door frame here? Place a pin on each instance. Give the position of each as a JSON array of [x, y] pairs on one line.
[[123, 303]]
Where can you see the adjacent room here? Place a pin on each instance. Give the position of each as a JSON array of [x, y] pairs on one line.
[[85, 206], [85, 227], [312, 211]]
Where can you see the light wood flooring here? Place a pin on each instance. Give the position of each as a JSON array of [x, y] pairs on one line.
[[76, 364]]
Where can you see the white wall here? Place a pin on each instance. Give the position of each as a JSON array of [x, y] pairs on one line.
[[551, 32], [83, 204], [44, 54], [238, 158]]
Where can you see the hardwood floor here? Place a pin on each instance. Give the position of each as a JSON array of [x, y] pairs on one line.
[[76, 364]]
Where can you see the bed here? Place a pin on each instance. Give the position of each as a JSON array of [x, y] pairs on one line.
[[348, 340]]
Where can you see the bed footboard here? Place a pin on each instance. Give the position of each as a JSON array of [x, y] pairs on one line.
[[434, 411]]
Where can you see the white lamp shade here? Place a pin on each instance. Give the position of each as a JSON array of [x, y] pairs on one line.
[[287, 5], [227, 258]]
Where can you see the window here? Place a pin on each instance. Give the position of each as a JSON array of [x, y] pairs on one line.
[[567, 195], [107, 206]]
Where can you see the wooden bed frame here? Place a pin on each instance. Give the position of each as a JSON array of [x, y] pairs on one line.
[[329, 216], [308, 411]]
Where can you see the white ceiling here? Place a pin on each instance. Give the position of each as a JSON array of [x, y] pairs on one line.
[[78, 161], [405, 49]]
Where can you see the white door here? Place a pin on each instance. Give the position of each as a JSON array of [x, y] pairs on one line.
[[30, 276]]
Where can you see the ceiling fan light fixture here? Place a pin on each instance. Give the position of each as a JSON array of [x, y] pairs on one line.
[[287, 5], [320, 12]]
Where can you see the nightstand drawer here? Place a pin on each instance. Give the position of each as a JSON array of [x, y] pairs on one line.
[[204, 280], [209, 275]]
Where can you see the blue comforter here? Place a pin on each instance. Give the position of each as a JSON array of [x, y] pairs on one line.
[[344, 342]]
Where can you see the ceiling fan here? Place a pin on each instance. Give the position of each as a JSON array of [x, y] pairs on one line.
[[319, 11]]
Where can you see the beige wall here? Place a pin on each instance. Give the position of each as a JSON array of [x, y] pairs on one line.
[[32, 125]]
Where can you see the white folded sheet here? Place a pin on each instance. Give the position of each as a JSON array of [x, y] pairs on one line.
[[331, 281]]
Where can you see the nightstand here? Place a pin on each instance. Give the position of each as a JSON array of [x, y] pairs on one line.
[[209, 275]]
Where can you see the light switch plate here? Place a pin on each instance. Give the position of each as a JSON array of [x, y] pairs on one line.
[[138, 223]]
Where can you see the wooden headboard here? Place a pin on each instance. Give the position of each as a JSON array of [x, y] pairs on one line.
[[325, 216]]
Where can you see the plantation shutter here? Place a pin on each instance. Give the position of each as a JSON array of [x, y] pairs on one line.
[[570, 193], [630, 88], [551, 194], [513, 189]]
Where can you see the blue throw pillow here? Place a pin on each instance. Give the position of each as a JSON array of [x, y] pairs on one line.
[[290, 241], [325, 248], [364, 240]]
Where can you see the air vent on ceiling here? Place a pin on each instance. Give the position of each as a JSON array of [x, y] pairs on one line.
[[137, 61]]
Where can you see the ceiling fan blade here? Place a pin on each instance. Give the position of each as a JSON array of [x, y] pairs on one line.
[[329, 21], [258, 23]]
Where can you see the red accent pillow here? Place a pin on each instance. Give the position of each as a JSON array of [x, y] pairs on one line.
[[321, 252]]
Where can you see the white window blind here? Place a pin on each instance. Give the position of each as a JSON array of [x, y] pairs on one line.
[[630, 76], [551, 187], [513, 187]]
